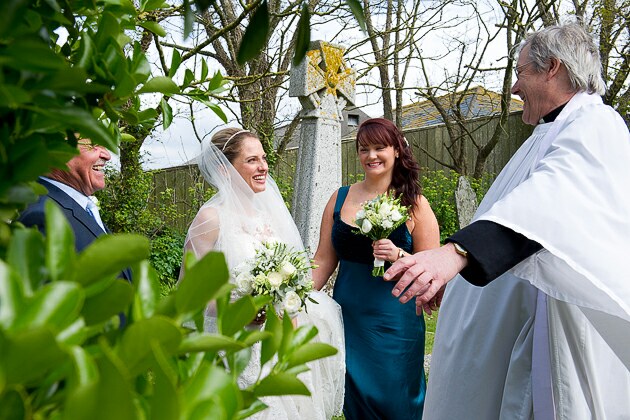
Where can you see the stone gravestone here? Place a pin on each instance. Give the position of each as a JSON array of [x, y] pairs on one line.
[[465, 202], [324, 84]]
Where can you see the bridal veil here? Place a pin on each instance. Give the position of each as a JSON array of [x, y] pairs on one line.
[[235, 221]]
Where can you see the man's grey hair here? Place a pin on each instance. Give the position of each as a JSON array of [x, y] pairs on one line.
[[575, 48]]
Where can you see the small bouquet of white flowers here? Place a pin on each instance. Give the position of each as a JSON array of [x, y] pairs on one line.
[[378, 218], [279, 271]]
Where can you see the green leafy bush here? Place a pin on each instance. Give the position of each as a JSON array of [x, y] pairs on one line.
[[63, 353], [439, 189], [130, 206], [78, 66], [166, 258]]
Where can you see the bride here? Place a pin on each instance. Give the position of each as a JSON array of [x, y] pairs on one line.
[[246, 211]]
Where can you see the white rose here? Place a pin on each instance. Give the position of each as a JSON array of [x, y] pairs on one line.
[[384, 210], [387, 224], [275, 279], [396, 216], [360, 214], [287, 269], [244, 283], [366, 226], [292, 302]]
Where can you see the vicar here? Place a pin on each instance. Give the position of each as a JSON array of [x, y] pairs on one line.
[[538, 323]]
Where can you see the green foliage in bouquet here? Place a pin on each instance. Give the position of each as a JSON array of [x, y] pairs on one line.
[[64, 354], [378, 218]]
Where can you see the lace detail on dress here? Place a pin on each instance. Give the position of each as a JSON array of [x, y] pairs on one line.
[[258, 229]]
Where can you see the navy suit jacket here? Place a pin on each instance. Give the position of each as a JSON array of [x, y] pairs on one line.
[[84, 226]]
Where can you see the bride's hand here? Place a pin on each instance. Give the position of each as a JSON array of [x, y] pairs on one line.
[[385, 250], [261, 317]]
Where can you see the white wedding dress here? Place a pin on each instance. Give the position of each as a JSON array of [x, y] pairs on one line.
[[236, 221], [325, 380]]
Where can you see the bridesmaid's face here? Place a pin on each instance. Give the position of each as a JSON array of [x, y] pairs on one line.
[[377, 159], [251, 164]]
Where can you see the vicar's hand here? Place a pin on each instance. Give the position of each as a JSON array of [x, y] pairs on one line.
[[432, 305], [423, 274]]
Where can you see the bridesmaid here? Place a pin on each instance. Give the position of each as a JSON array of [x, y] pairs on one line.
[[384, 339]]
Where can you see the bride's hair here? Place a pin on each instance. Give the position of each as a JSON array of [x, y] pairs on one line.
[[228, 141], [406, 174]]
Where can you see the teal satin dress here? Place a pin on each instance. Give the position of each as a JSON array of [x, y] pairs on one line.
[[384, 339]]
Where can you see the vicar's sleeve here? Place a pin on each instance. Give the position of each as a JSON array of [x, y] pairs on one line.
[[492, 250]]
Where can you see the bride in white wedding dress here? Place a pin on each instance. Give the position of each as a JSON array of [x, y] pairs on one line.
[[246, 211]]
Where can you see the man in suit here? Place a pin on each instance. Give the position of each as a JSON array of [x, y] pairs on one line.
[[72, 190]]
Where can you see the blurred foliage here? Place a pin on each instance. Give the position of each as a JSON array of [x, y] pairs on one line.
[[439, 189], [75, 66], [65, 355], [67, 67]]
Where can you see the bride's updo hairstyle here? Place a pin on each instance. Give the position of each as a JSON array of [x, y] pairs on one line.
[[405, 176], [229, 141]]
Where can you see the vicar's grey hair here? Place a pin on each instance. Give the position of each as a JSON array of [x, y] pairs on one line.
[[575, 48]]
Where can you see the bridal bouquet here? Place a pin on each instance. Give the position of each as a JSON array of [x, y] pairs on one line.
[[279, 271], [378, 218]]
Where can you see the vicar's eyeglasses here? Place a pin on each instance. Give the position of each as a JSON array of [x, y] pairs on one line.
[[519, 69]]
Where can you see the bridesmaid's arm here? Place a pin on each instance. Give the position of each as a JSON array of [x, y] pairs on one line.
[[426, 235], [425, 232], [325, 256]]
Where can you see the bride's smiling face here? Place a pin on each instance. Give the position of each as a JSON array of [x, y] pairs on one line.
[[251, 164]]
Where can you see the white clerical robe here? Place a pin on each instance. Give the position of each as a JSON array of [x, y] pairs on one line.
[[552, 335]]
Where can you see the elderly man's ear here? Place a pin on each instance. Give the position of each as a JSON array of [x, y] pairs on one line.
[[555, 66]]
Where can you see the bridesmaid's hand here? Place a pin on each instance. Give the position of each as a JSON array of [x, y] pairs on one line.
[[385, 250]]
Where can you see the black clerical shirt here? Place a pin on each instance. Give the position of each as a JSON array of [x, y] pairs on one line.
[[493, 248]]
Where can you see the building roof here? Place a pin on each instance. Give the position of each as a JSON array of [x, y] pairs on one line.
[[477, 102]]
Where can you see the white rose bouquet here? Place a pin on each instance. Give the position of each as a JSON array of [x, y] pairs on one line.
[[378, 218], [279, 271]]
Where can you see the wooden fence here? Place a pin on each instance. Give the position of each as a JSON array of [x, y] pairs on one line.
[[187, 188]]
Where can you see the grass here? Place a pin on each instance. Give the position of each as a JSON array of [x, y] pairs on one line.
[[431, 321]]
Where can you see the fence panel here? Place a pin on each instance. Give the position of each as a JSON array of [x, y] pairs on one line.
[[187, 184]]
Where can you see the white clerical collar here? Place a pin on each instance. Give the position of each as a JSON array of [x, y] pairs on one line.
[[77, 196]]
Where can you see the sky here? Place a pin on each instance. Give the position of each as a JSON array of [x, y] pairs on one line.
[[179, 144]]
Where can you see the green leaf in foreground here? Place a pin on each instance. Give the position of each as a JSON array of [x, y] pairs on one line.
[[201, 283], [303, 35], [160, 84], [281, 384], [255, 35], [309, 352], [121, 249]]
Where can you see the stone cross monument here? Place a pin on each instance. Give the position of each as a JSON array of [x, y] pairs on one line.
[[324, 84]]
